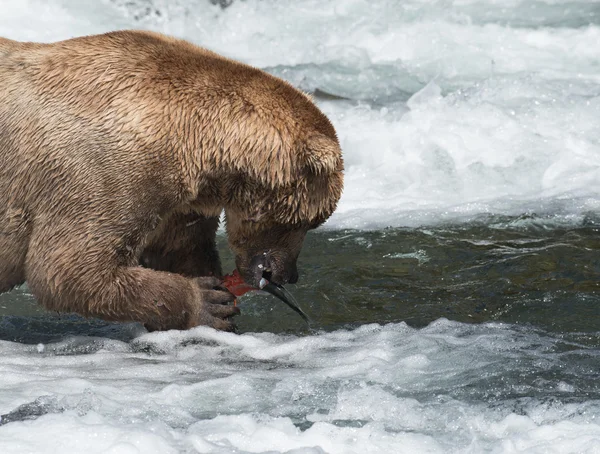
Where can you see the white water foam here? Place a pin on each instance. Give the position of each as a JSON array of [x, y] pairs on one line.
[[446, 388], [450, 109], [503, 96]]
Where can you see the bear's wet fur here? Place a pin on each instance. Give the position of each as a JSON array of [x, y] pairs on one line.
[[118, 152]]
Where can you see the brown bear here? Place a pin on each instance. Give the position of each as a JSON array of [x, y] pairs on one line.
[[118, 152]]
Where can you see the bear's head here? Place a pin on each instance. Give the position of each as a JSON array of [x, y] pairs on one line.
[[270, 210], [275, 163]]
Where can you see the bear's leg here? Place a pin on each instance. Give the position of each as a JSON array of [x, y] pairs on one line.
[[69, 271], [185, 245], [11, 265], [14, 238]]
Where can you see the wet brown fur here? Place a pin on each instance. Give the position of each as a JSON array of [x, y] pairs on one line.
[[121, 150]]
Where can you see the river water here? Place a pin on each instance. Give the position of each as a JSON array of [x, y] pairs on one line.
[[454, 296]]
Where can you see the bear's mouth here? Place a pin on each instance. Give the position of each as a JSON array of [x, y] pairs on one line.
[[235, 284], [267, 274]]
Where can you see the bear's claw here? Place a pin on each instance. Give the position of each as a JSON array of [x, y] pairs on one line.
[[209, 282], [215, 310], [221, 311]]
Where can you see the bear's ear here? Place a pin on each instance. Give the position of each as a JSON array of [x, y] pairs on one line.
[[322, 155]]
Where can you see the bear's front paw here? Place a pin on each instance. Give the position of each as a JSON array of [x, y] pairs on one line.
[[214, 308]]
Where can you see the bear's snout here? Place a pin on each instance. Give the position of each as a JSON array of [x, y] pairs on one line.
[[269, 266]]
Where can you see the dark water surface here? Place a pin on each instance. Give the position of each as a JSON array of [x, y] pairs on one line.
[[500, 342], [523, 271]]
